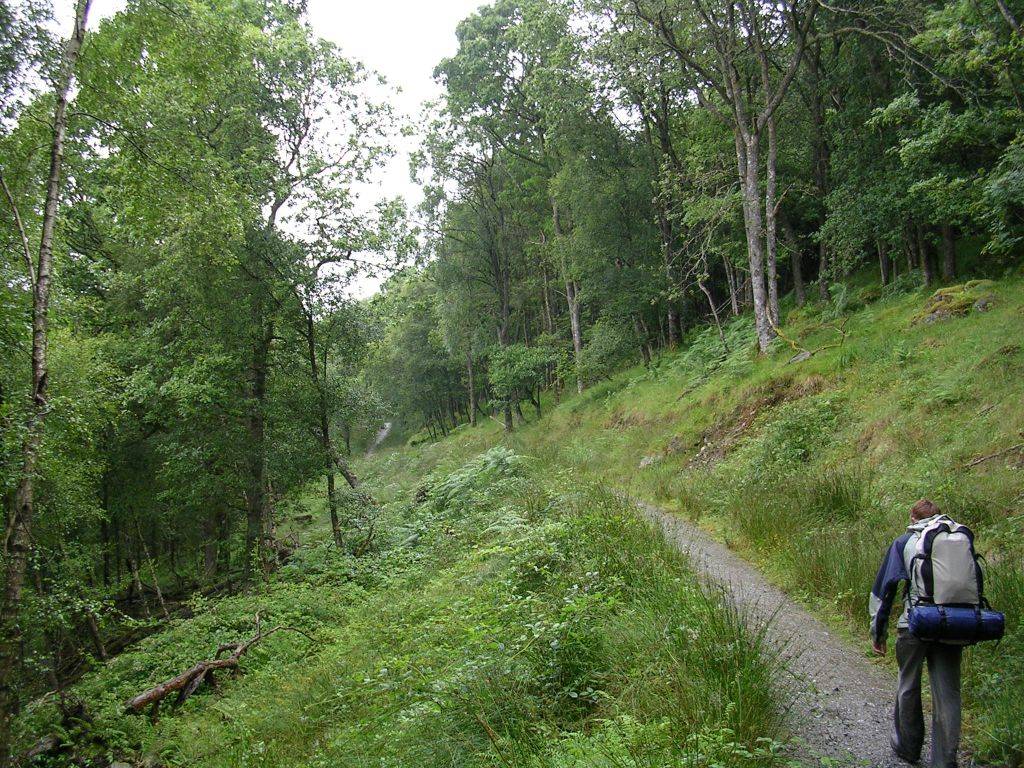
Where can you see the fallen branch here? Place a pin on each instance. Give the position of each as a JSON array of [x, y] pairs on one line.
[[839, 328], [996, 455], [188, 682]]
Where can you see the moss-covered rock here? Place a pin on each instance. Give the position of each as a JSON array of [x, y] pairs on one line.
[[956, 301]]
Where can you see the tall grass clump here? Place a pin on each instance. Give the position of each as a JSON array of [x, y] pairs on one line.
[[995, 672]]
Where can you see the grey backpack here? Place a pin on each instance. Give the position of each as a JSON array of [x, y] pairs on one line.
[[950, 605], [945, 568]]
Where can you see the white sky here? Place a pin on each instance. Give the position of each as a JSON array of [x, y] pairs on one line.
[[402, 39]]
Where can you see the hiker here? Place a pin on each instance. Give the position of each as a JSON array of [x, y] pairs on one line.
[[911, 652]]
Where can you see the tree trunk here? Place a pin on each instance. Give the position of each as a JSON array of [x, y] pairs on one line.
[[822, 160], [452, 412], [714, 313], [577, 336], [332, 506], [925, 257], [909, 246], [256, 493], [94, 633], [795, 261], [152, 573], [646, 336], [549, 321], [133, 566], [1008, 16], [730, 278], [771, 237], [574, 305], [749, 166], [823, 292], [507, 407], [210, 547], [883, 261], [18, 530], [645, 353], [472, 384], [948, 253], [105, 545], [672, 315]]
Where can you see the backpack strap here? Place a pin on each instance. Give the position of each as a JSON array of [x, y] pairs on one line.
[[927, 582], [978, 559]]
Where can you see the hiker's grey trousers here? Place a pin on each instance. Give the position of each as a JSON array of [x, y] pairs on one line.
[[908, 719]]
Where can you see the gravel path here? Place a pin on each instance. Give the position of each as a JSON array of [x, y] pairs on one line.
[[841, 704], [380, 437]]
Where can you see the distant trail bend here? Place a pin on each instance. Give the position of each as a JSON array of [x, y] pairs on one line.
[[841, 703], [380, 437]]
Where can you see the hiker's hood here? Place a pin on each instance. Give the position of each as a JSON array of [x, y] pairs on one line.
[[920, 525]]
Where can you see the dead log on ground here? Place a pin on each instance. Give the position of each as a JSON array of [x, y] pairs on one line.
[[188, 682]]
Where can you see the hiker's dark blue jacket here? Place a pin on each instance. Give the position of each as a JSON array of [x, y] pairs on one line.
[[892, 573]]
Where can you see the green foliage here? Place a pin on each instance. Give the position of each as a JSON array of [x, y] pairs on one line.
[[580, 186], [484, 474], [609, 345], [526, 623], [517, 372], [790, 439], [809, 468]]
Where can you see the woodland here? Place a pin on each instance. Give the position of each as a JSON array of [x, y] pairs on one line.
[[757, 262]]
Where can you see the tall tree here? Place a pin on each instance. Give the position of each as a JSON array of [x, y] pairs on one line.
[[729, 51], [18, 529]]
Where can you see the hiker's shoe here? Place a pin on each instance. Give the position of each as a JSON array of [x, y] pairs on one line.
[[906, 757]]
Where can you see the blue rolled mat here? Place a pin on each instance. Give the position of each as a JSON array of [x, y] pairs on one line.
[[960, 624]]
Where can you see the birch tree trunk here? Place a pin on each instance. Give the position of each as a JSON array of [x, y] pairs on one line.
[[574, 324], [18, 530], [747, 148], [730, 279], [770, 236], [572, 300]]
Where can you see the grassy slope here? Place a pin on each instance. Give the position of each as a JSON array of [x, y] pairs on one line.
[[510, 616], [809, 468]]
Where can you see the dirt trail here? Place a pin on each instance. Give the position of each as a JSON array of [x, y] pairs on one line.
[[380, 437], [841, 703]]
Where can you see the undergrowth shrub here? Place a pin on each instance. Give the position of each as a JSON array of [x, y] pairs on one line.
[[704, 354], [605, 635], [485, 473], [793, 435]]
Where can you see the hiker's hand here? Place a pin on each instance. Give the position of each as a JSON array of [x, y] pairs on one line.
[[878, 647]]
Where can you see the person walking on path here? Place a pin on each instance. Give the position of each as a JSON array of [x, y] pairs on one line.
[[943, 659]]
